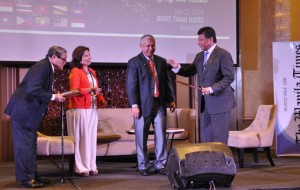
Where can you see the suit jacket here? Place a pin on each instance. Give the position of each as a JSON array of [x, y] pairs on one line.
[[140, 83], [79, 80], [218, 74], [28, 104]]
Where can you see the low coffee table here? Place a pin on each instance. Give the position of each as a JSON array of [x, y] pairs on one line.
[[169, 131]]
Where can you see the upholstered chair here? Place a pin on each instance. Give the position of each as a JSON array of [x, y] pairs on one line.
[[52, 146], [258, 136]]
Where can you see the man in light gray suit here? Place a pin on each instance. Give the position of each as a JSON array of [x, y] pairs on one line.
[[214, 66]]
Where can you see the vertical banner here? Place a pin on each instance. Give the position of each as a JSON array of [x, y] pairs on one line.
[[286, 73]]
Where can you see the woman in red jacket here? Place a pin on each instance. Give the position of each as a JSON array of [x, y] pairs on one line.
[[84, 115]]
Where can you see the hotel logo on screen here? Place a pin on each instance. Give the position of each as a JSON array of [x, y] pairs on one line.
[[42, 15]]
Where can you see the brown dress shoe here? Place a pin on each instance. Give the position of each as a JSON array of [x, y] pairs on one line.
[[31, 184]]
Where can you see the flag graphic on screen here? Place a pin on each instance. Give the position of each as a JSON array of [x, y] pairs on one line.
[[77, 10], [60, 9], [6, 20], [24, 8], [42, 9], [42, 21], [25, 20], [60, 22], [77, 23], [6, 6]]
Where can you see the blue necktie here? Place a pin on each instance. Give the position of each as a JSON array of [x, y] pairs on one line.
[[205, 59]]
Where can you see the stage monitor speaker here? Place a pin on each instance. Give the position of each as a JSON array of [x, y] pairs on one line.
[[200, 165]]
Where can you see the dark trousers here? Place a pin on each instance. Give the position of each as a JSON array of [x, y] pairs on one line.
[[25, 145], [215, 127]]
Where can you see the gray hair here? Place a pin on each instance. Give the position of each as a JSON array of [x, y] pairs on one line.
[[145, 37], [56, 50]]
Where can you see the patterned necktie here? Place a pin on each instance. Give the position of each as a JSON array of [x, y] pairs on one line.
[[205, 59], [156, 91]]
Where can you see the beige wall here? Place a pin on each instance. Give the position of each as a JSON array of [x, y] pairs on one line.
[[257, 34], [295, 20]]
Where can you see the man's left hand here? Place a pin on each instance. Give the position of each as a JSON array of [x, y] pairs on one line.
[[172, 106]]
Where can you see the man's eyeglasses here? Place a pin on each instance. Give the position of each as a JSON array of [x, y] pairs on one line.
[[62, 58]]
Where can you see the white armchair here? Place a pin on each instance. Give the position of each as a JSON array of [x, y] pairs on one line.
[[52, 146], [259, 134]]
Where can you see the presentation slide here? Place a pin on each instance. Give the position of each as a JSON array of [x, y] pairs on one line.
[[112, 28]]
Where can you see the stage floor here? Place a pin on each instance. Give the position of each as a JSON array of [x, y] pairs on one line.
[[118, 173]]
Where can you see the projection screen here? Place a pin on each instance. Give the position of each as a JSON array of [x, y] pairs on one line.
[[112, 28]]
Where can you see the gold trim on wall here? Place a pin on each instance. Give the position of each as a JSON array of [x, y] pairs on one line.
[[282, 20]]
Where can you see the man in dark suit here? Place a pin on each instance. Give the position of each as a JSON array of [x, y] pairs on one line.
[[149, 90], [214, 66], [27, 107]]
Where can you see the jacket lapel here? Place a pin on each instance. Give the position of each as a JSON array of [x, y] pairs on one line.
[[145, 63], [51, 78]]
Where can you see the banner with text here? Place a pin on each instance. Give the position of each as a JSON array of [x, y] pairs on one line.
[[286, 73]]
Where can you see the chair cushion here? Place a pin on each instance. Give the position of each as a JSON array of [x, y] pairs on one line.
[[243, 139], [107, 137], [55, 145], [107, 131], [51, 145], [43, 145], [106, 126], [171, 120]]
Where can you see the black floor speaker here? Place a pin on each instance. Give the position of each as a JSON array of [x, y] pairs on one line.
[[200, 165]]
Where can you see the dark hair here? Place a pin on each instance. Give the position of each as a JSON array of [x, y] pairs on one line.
[[77, 56], [56, 50], [208, 33]]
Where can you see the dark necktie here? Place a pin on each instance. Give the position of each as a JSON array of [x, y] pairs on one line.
[[156, 91]]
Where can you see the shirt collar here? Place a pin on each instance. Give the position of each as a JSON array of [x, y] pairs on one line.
[[211, 49], [51, 64], [148, 57]]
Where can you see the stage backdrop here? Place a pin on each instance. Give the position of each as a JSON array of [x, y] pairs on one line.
[[286, 73]]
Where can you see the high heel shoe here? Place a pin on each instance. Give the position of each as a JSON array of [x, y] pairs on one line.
[[95, 172], [85, 174]]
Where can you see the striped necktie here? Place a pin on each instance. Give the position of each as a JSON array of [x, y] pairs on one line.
[[205, 59], [151, 64]]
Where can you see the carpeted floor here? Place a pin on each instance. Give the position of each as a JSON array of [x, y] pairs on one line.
[[118, 173]]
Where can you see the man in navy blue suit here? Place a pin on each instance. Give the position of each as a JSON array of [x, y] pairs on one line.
[[27, 108], [149, 91]]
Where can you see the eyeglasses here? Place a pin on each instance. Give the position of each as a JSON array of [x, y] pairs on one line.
[[62, 58]]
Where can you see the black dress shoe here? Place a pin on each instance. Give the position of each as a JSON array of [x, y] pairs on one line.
[[31, 184], [144, 172], [41, 180], [161, 171]]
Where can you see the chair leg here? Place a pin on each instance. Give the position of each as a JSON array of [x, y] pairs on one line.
[[241, 157], [268, 153], [71, 164], [254, 154]]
